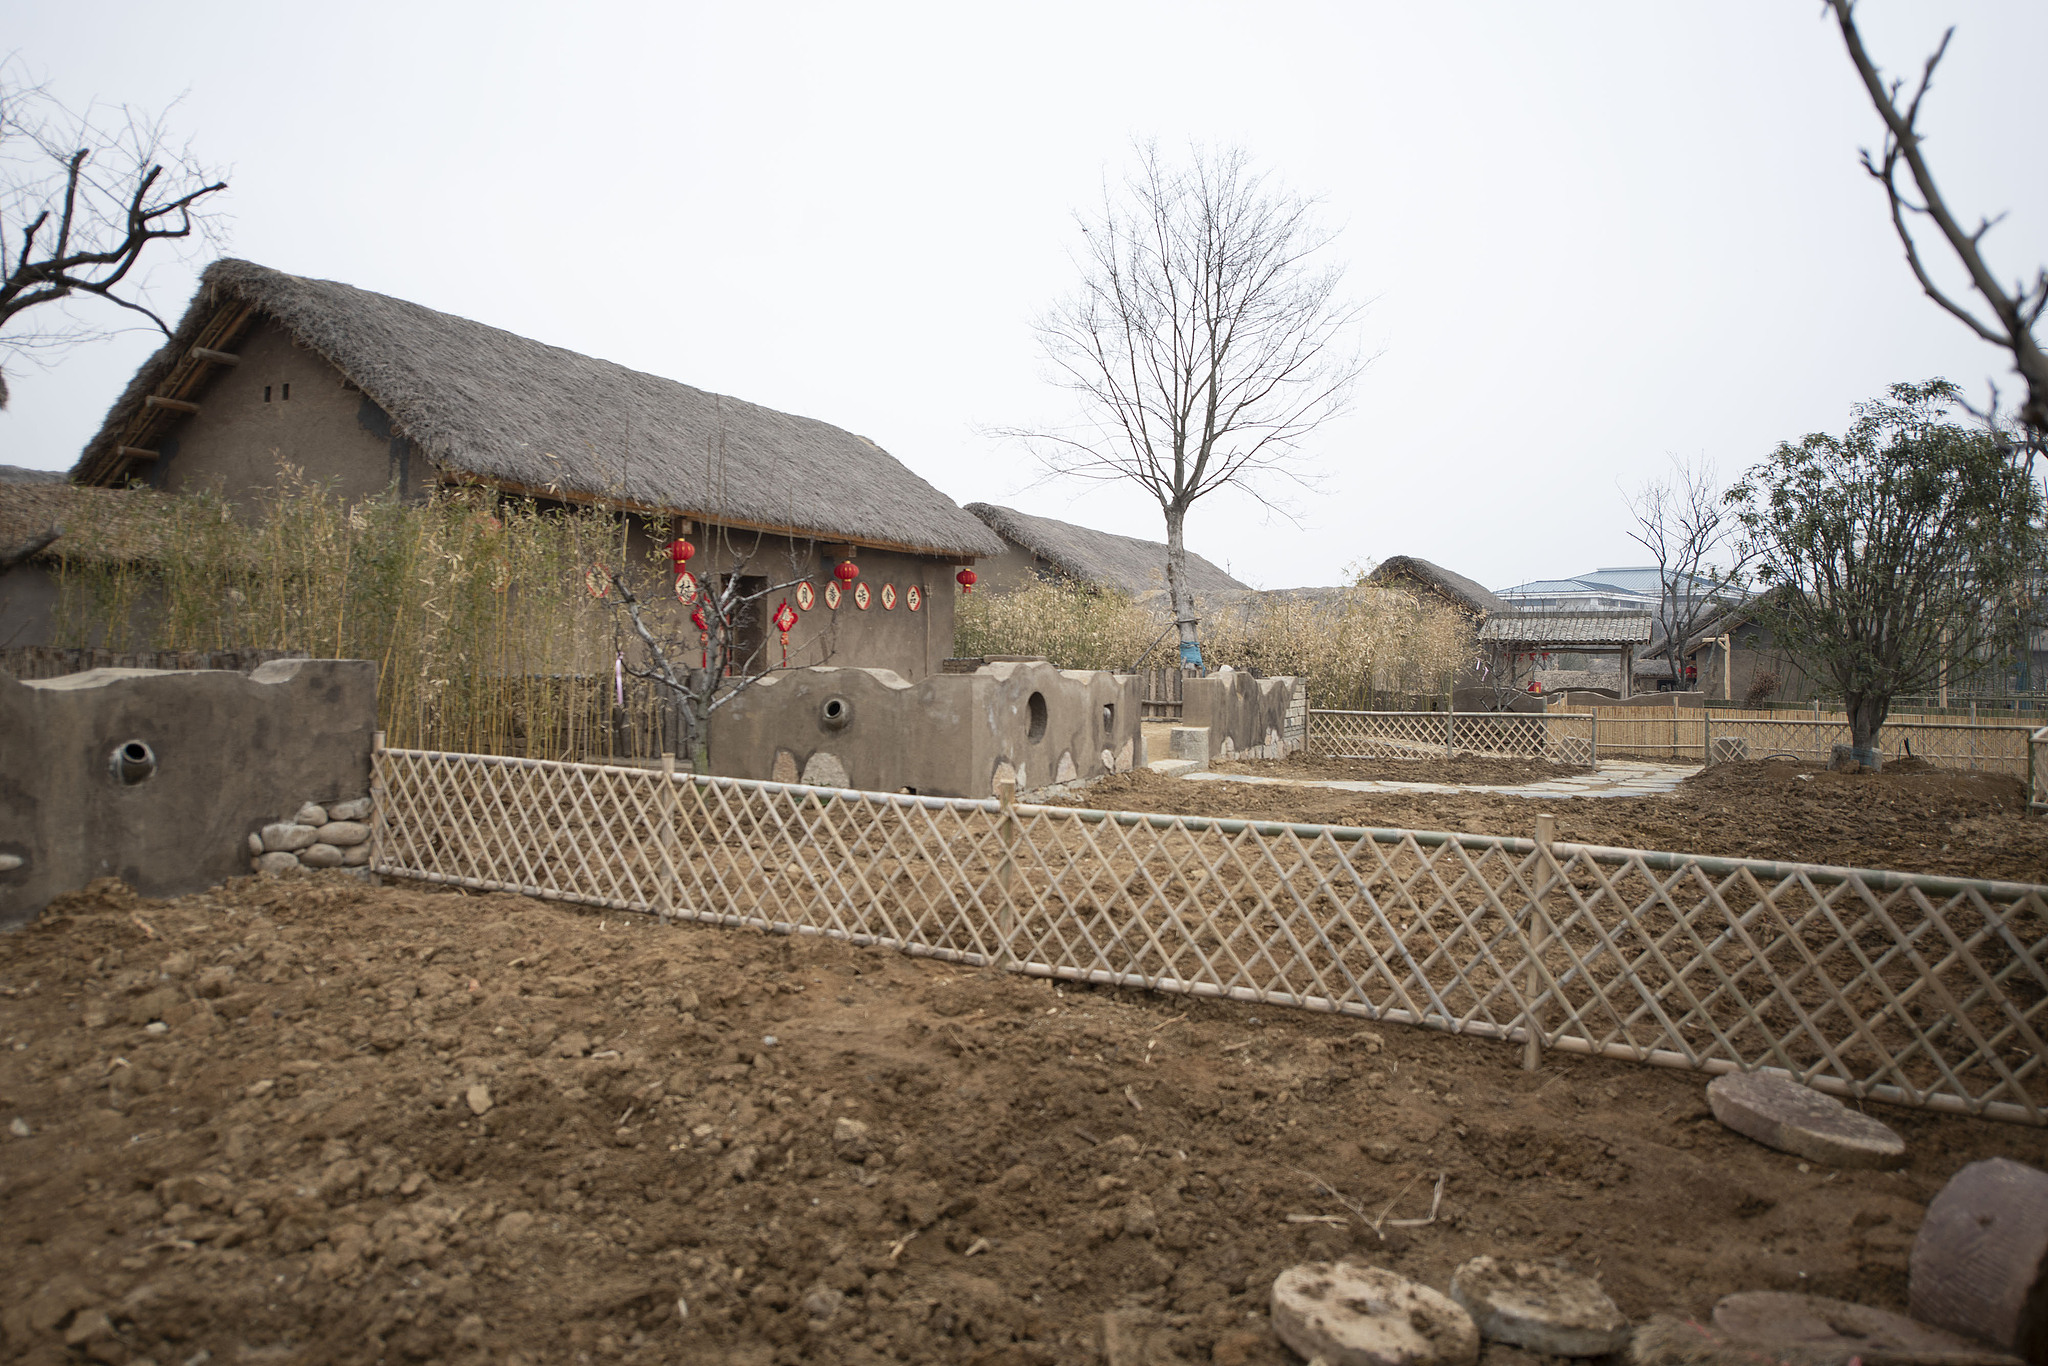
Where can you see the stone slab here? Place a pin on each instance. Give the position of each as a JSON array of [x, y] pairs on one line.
[[1188, 742], [1980, 1262], [1540, 1307], [1780, 1113], [1780, 1320], [1349, 1314], [1176, 768]]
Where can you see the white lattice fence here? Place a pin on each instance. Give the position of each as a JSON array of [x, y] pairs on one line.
[[1560, 737], [1925, 991]]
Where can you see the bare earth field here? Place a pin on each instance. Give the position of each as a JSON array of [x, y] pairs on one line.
[[309, 1120], [1910, 818]]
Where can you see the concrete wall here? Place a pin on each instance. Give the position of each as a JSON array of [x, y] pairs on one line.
[[948, 735], [1015, 568], [1246, 716], [28, 605], [233, 753]]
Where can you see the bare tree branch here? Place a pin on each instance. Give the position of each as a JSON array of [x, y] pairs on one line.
[[91, 194], [2012, 315], [1685, 522]]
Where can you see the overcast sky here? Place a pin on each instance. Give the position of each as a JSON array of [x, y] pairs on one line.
[[1590, 235]]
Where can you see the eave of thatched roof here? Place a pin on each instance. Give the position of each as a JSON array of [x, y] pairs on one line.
[[1612, 629], [1100, 557], [1462, 591], [490, 405], [28, 512]]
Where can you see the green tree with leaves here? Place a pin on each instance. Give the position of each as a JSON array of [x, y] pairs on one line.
[[1903, 551]]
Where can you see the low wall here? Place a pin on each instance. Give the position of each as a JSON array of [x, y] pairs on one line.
[[947, 735], [159, 778], [1248, 718]]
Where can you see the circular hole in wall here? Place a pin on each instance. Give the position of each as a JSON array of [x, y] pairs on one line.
[[835, 714], [133, 762], [1109, 716], [1037, 706]]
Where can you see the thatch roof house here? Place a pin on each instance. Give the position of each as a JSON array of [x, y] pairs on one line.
[[367, 393], [1419, 576], [1047, 548]]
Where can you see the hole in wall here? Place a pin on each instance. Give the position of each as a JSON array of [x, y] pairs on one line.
[[836, 714], [266, 393], [133, 762], [1109, 716], [1037, 708]]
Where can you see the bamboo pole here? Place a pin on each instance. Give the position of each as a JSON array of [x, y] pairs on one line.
[[1006, 871], [1546, 868]]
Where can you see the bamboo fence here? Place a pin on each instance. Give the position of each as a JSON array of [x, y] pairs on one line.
[[1560, 737], [1910, 989]]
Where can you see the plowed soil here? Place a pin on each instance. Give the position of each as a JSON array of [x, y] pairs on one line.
[[311, 1120], [1910, 818]]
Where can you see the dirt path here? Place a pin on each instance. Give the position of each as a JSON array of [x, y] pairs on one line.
[[1911, 819], [391, 1125]]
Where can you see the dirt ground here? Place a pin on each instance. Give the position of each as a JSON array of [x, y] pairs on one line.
[[1910, 818], [310, 1120]]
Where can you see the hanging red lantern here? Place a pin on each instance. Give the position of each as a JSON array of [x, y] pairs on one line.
[[846, 572], [967, 580], [703, 637], [679, 553]]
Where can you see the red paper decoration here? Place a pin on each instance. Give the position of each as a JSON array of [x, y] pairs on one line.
[[806, 596], [832, 595], [686, 587], [888, 597], [703, 638], [785, 618], [967, 580], [861, 596], [913, 597]]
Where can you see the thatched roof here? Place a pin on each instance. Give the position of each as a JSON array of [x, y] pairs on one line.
[[1100, 557], [1611, 629], [492, 405], [29, 512], [1462, 592], [15, 474]]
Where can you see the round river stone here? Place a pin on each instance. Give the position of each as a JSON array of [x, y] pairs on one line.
[[1779, 1113]]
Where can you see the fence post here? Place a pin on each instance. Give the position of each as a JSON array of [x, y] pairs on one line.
[[1596, 737], [1532, 978], [666, 808], [1450, 750], [378, 816], [1706, 735], [1006, 871]]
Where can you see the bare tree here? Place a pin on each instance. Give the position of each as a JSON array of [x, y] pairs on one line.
[[2014, 313], [1203, 343], [81, 197], [1683, 519]]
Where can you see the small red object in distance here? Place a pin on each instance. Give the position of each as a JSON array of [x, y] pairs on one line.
[[846, 572], [697, 620], [680, 552], [785, 618], [967, 580]]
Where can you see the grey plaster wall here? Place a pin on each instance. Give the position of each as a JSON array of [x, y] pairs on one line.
[[233, 752], [948, 735], [239, 441], [28, 605], [1246, 716]]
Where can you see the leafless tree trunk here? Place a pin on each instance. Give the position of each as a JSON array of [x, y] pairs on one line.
[[1683, 519], [2014, 313], [1204, 345], [80, 200]]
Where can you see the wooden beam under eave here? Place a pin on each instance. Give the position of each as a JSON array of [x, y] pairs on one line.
[[216, 357], [135, 453], [175, 405]]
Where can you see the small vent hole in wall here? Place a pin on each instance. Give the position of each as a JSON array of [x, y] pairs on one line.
[[1109, 716], [1037, 706], [266, 393], [836, 713], [134, 762], [287, 392]]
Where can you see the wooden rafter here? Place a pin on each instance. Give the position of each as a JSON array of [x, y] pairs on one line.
[[150, 422]]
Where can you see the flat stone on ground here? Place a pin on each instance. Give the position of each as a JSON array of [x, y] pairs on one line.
[[1980, 1262], [1780, 1113], [1540, 1308], [1780, 1319], [1349, 1314]]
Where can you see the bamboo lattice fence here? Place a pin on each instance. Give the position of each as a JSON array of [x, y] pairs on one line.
[[1917, 990], [1561, 737]]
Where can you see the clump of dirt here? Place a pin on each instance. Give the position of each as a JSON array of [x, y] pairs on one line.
[[311, 1120], [1917, 820], [1475, 770]]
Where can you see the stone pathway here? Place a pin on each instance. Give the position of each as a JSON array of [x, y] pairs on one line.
[[1613, 779]]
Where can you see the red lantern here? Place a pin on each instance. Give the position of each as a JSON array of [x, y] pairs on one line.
[[967, 580], [679, 552], [846, 572]]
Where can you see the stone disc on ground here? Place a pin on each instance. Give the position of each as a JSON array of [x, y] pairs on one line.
[[1980, 1262], [1349, 1314], [1540, 1307], [1780, 1113], [1781, 1320]]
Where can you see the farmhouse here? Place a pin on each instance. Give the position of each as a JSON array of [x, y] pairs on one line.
[[367, 394], [1049, 549]]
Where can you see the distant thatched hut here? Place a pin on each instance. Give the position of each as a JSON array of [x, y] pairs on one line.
[[367, 393], [1047, 548], [1419, 576]]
